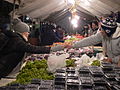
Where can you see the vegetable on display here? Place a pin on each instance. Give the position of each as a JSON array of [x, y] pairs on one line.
[[70, 63], [34, 69], [96, 63]]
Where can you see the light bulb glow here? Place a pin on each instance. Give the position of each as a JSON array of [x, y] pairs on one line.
[[74, 21], [75, 25], [77, 17], [69, 18]]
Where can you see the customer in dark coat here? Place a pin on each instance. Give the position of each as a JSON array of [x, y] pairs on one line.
[[59, 34], [14, 52]]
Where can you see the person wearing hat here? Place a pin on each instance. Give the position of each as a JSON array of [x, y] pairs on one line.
[[109, 36], [13, 54]]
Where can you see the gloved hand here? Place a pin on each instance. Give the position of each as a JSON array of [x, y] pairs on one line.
[[57, 48]]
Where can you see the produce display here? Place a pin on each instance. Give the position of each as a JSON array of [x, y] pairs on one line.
[[96, 63], [34, 69], [70, 63], [69, 40], [72, 39], [105, 77]]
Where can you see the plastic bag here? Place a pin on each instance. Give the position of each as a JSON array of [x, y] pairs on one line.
[[54, 62], [100, 56], [83, 61]]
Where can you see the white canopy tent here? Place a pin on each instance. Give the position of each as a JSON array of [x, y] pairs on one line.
[[43, 8]]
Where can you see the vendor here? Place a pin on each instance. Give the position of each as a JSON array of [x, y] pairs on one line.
[[109, 36]]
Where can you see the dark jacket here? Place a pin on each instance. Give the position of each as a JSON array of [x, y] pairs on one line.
[[47, 35], [3, 40], [14, 52]]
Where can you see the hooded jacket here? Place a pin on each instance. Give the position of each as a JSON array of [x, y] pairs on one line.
[[111, 45], [14, 51]]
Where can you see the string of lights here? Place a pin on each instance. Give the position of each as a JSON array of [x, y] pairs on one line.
[[72, 8], [72, 4]]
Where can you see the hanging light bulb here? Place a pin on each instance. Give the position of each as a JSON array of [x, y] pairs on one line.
[[74, 21], [77, 17], [69, 18], [75, 25]]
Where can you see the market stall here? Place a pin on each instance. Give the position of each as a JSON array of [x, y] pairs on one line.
[[52, 23], [68, 69]]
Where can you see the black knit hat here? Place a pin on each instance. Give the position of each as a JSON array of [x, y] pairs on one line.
[[109, 23]]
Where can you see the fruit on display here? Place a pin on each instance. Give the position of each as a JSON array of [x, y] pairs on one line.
[[72, 39], [68, 41], [79, 36]]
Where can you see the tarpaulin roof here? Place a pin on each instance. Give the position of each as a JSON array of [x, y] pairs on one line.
[[43, 8]]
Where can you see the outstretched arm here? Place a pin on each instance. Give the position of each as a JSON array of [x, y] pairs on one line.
[[89, 41]]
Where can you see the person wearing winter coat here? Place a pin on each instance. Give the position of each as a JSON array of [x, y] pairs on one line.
[[85, 30], [94, 26], [14, 52], [109, 36]]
